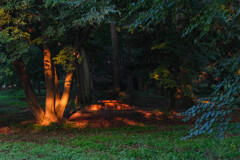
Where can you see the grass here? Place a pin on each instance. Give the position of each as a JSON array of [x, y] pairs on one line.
[[148, 142], [13, 98], [17, 104], [12, 92], [13, 101], [56, 142]]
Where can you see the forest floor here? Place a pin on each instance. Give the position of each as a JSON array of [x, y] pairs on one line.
[[134, 133]]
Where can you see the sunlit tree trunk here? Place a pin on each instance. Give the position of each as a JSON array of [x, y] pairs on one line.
[[116, 67], [50, 115], [31, 96], [65, 96]]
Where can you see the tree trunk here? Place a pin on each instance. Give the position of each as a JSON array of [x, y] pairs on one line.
[[130, 85], [140, 83], [77, 85], [171, 94], [116, 68], [65, 96], [39, 88], [50, 115], [82, 78], [56, 88], [31, 96], [130, 72], [83, 81]]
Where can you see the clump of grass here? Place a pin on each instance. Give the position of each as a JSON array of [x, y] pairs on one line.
[[52, 126]]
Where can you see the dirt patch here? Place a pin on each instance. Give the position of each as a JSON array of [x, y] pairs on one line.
[[5, 130], [136, 117]]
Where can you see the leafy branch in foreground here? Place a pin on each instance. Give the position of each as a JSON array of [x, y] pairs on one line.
[[215, 112]]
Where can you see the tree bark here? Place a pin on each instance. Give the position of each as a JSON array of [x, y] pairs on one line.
[[130, 85], [77, 85], [116, 68], [65, 96], [82, 76], [56, 89], [171, 94], [83, 81], [130, 72], [50, 115], [31, 96], [140, 83], [39, 88]]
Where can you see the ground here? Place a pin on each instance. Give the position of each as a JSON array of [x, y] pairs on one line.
[[139, 133]]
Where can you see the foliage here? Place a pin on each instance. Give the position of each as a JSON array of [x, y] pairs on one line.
[[151, 13], [215, 111], [27, 26], [210, 32], [176, 55], [210, 18], [68, 15], [66, 58], [164, 77], [13, 34]]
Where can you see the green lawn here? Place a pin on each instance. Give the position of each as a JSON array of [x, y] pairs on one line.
[[56, 142], [116, 143]]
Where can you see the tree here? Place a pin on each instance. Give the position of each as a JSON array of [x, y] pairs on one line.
[[23, 26], [116, 74], [83, 17]]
